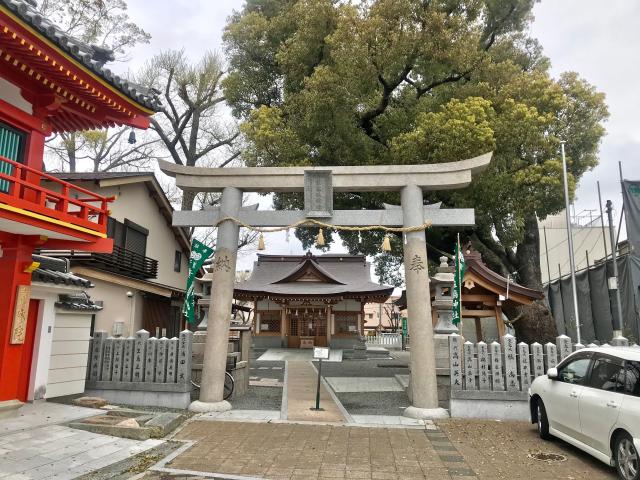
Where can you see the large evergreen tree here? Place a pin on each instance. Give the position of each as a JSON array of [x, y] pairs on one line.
[[321, 82]]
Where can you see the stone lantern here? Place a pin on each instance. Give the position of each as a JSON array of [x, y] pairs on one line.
[[442, 281]]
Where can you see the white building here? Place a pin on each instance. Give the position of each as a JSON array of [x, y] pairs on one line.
[[588, 243]]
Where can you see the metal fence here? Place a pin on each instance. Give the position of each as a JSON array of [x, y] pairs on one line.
[[390, 340]]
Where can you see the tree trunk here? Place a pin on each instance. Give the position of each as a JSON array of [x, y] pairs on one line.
[[533, 323], [187, 200]]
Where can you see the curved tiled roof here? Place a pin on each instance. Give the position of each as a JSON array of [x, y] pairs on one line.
[[92, 57], [348, 275], [55, 270]]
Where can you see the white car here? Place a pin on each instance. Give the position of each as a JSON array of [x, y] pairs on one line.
[[592, 400]]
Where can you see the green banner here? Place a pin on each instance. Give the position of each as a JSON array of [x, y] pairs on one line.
[[457, 285], [199, 254], [404, 326]]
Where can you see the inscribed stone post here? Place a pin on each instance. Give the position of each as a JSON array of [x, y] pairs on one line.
[[538, 359], [96, 354], [127, 358], [87, 373], [161, 360], [172, 360], [551, 354], [496, 367], [150, 360], [185, 346], [469, 367], [455, 364], [118, 344], [578, 346], [525, 366], [510, 362], [483, 366], [564, 346], [107, 359], [139, 355]]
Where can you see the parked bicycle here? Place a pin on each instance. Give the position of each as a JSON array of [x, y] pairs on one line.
[[229, 383]]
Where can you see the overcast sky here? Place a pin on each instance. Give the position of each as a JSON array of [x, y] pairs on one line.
[[597, 39]]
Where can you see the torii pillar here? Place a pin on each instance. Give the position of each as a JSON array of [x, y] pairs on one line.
[[318, 185]]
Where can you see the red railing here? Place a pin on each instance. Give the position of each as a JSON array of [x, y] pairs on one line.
[[20, 187]]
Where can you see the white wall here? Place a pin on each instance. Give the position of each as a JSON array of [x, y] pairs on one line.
[[116, 307], [69, 352], [61, 347], [585, 238], [11, 94]]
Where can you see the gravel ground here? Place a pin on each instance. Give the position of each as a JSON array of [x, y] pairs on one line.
[[259, 398], [500, 451], [363, 368], [267, 370], [374, 403]]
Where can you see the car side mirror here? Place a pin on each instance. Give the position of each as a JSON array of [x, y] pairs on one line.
[[552, 373]]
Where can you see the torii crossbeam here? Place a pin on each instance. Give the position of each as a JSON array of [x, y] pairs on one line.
[[318, 185]]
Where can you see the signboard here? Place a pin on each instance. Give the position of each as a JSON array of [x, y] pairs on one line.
[[318, 194], [19, 326], [404, 326], [321, 353]]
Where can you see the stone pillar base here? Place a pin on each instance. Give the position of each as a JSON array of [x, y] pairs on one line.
[[425, 413], [205, 407]]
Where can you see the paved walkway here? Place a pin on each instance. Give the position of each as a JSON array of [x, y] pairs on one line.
[[297, 355], [34, 445], [457, 450], [299, 451], [302, 381]]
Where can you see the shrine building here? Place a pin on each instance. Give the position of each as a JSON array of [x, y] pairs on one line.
[[50, 83], [305, 301]]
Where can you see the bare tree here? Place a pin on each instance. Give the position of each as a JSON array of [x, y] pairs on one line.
[[99, 151], [191, 125]]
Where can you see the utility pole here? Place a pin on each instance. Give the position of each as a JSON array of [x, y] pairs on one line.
[[572, 263], [613, 281]]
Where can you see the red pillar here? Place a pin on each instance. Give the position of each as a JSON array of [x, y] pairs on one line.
[[16, 256]]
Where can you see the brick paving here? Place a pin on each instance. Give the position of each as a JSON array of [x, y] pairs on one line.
[[290, 451], [458, 450]]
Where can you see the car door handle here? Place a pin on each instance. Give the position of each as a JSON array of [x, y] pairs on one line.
[[574, 394], [612, 404]]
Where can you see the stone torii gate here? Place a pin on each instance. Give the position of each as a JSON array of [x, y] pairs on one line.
[[318, 185]]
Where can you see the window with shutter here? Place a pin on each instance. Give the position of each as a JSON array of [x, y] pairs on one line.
[[135, 239], [11, 147]]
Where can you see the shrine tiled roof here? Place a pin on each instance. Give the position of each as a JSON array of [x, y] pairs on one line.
[[55, 270], [328, 275], [92, 57]]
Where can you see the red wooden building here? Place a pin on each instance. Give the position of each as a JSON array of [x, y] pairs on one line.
[[49, 82]]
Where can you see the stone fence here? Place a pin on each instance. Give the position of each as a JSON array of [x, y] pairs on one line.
[[141, 370], [487, 382]]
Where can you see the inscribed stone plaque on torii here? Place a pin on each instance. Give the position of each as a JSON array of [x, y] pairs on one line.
[[318, 194]]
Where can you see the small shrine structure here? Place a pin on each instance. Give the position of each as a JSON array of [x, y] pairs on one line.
[[50, 82], [302, 301]]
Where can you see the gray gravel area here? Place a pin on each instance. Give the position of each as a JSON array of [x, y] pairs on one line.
[[267, 370], [364, 368], [259, 398], [374, 403]]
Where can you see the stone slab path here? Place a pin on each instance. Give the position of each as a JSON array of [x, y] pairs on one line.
[[296, 355], [301, 396], [34, 446]]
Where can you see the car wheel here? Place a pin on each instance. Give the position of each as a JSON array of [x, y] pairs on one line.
[[543, 421], [626, 457]]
